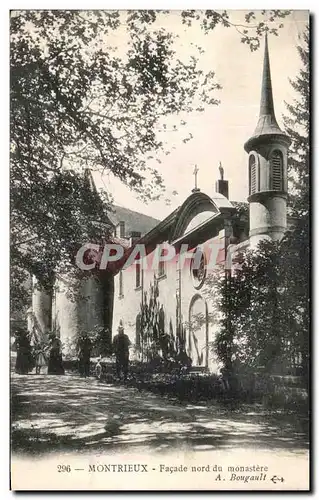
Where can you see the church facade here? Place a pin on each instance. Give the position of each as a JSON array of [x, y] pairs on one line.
[[200, 237], [192, 242]]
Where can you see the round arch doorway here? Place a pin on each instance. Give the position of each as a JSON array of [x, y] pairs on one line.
[[198, 332]]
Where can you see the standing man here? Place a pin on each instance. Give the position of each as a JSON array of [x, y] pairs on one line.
[[84, 353], [121, 344]]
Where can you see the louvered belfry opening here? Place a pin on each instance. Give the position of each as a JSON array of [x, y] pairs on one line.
[[252, 175], [276, 170]]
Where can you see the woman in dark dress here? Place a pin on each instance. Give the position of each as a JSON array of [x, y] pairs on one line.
[[55, 365], [24, 362]]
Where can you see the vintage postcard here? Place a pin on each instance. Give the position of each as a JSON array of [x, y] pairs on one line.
[[159, 316]]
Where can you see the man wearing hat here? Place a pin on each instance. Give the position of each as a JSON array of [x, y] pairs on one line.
[[121, 344]]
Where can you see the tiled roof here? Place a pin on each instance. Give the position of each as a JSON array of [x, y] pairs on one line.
[[134, 221]]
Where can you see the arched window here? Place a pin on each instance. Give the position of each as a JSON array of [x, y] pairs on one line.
[[252, 174], [276, 165], [198, 347], [138, 331], [161, 321], [137, 275], [121, 289], [161, 269]]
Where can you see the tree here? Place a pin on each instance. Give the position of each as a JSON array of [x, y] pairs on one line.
[[297, 124], [77, 104], [260, 325], [156, 342], [297, 241], [152, 337]]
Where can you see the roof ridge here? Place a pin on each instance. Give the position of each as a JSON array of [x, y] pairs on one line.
[[136, 212]]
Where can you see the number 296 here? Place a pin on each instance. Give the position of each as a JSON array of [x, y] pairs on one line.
[[64, 468]]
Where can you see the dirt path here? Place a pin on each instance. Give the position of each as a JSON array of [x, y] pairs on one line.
[[51, 413]]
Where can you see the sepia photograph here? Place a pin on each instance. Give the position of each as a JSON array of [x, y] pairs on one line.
[[159, 250]]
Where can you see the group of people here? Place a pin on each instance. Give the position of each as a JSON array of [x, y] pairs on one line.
[[38, 354], [49, 353], [120, 348]]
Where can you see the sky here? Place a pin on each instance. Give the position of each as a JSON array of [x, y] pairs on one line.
[[219, 132]]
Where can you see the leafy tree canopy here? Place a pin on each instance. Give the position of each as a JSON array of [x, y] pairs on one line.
[[297, 123], [78, 102]]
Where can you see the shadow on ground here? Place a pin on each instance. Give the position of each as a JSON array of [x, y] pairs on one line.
[[55, 413]]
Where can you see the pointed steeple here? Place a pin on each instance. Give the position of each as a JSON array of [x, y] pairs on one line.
[[266, 102], [267, 124]]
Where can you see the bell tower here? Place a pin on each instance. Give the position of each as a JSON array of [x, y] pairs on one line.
[[267, 165]]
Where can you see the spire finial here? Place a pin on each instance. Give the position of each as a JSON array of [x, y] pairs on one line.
[[266, 102], [267, 124]]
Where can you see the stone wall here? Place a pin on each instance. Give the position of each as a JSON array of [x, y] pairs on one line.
[[77, 306], [39, 318], [172, 285]]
